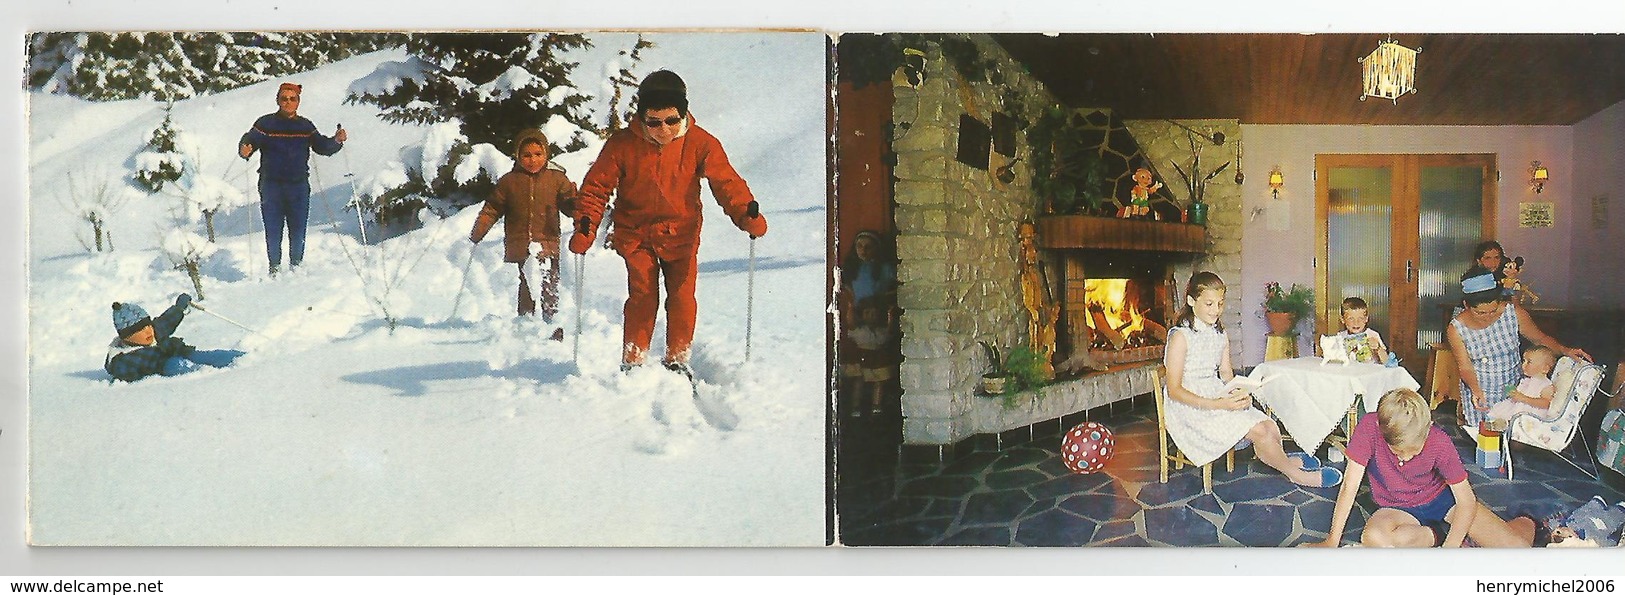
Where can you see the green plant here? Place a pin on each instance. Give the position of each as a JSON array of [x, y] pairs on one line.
[[1195, 182], [1298, 301], [1068, 170], [1026, 369]]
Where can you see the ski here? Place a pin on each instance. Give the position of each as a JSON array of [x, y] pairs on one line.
[[715, 412]]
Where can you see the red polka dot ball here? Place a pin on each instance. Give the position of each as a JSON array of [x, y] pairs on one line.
[[1086, 447]]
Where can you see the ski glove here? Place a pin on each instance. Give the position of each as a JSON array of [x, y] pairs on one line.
[[752, 221], [183, 300], [591, 207], [174, 346], [581, 240]]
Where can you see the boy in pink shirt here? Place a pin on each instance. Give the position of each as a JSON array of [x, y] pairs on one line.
[[1418, 483]]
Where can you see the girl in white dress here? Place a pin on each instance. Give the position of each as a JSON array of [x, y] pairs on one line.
[[1203, 422]]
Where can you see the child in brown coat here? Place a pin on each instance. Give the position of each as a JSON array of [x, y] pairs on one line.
[[530, 199]]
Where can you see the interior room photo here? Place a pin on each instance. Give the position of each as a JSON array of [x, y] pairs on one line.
[[1019, 219]]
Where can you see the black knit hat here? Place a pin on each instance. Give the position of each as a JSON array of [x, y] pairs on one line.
[[663, 89]]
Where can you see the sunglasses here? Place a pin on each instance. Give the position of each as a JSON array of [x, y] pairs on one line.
[[656, 122]]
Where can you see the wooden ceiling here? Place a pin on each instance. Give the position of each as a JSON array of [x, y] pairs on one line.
[[1462, 79]]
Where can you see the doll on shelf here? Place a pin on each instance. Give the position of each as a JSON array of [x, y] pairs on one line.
[[1140, 204], [1512, 285]]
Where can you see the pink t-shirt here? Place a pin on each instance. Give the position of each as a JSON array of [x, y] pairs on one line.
[[1415, 483]]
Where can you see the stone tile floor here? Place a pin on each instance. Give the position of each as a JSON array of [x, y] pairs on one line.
[[1023, 495]]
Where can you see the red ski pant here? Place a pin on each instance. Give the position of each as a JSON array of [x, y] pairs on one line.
[[644, 271], [550, 290]]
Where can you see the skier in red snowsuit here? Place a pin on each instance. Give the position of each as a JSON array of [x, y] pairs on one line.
[[654, 168]]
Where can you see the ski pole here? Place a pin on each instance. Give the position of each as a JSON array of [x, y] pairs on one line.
[[461, 285], [240, 325], [750, 281], [584, 229], [581, 272], [349, 174]]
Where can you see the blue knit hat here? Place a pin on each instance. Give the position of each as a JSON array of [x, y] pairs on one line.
[[129, 318]]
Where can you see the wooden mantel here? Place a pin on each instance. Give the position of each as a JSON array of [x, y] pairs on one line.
[[1086, 232]]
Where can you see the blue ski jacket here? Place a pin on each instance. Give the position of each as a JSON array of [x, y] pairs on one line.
[[287, 143]]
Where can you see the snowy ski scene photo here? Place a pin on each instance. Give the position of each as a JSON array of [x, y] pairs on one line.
[[420, 354]]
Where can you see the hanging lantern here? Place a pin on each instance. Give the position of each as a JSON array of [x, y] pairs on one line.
[[1389, 71]]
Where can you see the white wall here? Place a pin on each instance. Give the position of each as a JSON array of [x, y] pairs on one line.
[[1285, 256], [1597, 255]]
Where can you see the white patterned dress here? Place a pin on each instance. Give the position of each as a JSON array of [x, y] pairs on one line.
[[1205, 434], [1494, 353]]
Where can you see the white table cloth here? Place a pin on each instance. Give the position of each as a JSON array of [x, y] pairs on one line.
[[1310, 397]]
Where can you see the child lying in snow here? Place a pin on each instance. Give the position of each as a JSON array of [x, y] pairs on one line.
[[146, 346]]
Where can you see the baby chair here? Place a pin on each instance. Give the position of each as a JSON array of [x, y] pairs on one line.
[[1576, 381]]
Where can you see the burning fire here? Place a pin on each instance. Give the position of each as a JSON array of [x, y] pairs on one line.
[[1109, 295], [1116, 320]]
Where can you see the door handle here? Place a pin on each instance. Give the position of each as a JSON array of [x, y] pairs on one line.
[[1410, 270]]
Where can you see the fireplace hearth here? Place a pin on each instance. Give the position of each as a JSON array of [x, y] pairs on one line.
[[1116, 285]]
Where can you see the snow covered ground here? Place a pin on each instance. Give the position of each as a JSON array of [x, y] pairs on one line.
[[466, 430]]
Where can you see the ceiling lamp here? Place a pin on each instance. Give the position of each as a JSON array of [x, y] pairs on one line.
[[1389, 71]]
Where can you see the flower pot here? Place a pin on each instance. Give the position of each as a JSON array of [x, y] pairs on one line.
[[1280, 323], [1197, 213], [993, 385]]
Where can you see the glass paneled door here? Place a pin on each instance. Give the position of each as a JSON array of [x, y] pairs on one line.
[[1398, 231]]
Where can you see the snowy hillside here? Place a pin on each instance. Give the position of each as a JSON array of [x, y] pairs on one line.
[[466, 430]]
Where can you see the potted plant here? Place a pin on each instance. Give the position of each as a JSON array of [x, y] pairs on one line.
[[1025, 370], [1284, 307], [994, 379], [1196, 181]]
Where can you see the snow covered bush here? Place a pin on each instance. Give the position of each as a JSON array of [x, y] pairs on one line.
[[440, 173], [95, 199], [483, 87], [210, 195], [186, 250]]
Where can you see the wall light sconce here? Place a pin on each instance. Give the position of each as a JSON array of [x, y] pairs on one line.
[[1276, 182], [1538, 175]]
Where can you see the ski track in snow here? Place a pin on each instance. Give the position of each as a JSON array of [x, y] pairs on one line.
[[465, 430]]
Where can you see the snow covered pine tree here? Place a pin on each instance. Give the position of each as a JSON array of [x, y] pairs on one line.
[[486, 85], [169, 66]]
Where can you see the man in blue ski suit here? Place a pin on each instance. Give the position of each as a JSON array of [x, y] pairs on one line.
[[286, 140]]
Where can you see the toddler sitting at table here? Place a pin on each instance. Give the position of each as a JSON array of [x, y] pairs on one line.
[[1362, 342], [1534, 393]]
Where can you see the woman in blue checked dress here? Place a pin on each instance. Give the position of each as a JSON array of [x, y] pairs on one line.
[[1484, 338]]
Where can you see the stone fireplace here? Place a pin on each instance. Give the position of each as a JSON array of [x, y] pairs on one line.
[[1117, 288], [958, 254]]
